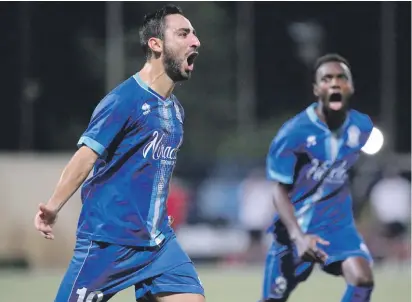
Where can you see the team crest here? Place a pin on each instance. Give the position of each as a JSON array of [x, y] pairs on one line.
[[353, 137], [311, 141], [146, 109], [178, 115], [280, 286]]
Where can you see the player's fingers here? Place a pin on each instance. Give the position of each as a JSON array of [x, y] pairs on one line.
[[318, 254], [321, 255], [309, 255], [306, 257], [43, 227], [37, 221], [47, 215], [45, 211], [42, 207], [322, 241], [47, 235]]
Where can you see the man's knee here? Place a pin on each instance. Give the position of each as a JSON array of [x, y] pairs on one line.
[[358, 272], [363, 280]]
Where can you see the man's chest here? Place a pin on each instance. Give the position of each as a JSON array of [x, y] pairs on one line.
[[328, 157], [162, 131]]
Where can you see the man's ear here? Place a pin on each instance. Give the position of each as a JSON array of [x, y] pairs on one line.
[[315, 90], [155, 44]]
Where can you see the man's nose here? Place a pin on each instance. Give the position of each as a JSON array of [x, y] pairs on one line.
[[195, 42], [335, 83]]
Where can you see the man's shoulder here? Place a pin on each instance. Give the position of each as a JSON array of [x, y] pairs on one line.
[[361, 120], [295, 128], [128, 96]]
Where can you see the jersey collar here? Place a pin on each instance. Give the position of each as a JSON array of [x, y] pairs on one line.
[[311, 112], [150, 90]]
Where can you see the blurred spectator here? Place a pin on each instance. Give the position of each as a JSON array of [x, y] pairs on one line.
[[218, 201], [256, 211], [177, 203], [391, 202]]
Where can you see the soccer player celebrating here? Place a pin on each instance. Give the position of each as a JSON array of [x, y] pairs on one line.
[[124, 237], [308, 161]]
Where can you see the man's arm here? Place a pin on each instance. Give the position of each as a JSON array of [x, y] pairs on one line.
[[286, 211], [73, 175], [109, 120], [281, 163], [306, 244], [280, 168]]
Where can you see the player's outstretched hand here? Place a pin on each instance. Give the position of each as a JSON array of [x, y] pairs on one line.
[[44, 221], [308, 249]]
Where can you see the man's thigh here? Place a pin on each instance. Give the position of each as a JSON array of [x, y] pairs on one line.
[[99, 270], [344, 244], [174, 276]]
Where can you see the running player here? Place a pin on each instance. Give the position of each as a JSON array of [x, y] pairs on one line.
[[308, 163]]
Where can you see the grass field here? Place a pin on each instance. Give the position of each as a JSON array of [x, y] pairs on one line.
[[222, 285]]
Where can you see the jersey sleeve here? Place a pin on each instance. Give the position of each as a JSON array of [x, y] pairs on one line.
[[367, 128], [109, 119], [281, 159]]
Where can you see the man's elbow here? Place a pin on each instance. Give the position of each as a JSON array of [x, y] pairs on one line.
[[86, 156], [280, 189], [83, 161]]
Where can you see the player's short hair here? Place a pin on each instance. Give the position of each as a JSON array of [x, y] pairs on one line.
[[330, 57], [153, 26]]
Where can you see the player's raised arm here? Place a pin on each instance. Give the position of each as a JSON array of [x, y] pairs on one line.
[[280, 168]]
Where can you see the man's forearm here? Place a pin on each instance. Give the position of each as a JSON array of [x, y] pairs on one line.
[[286, 211], [73, 175]]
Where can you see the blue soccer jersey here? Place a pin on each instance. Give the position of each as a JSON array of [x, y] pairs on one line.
[[137, 135], [314, 162]]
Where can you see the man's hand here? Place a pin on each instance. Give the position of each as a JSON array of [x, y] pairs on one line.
[[74, 174], [45, 219], [308, 249]]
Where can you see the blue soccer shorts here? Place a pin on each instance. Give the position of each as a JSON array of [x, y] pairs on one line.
[[99, 270], [284, 270]]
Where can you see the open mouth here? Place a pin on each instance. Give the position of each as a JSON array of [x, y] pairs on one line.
[[191, 58], [335, 97], [335, 101]]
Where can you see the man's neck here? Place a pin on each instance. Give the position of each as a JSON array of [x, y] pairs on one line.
[[154, 75]]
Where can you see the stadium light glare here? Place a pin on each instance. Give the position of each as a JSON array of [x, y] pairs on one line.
[[374, 143]]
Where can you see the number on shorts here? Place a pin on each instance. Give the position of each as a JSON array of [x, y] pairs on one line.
[[82, 294]]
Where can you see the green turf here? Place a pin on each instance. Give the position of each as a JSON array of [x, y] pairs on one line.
[[222, 285]]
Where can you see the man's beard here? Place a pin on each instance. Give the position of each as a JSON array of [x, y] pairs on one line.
[[173, 67], [335, 118]]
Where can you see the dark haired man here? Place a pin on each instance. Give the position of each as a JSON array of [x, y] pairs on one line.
[[124, 237]]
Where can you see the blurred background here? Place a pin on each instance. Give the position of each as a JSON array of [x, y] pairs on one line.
[[58, 59]]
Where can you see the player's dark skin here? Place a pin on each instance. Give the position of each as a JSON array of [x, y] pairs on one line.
[[333, 87], [334, 84]]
